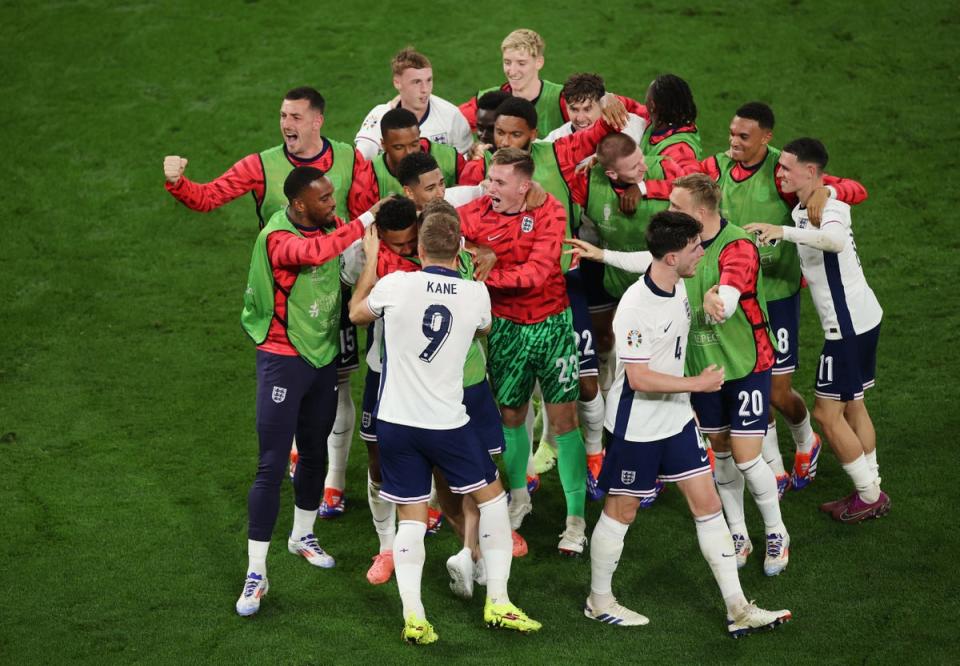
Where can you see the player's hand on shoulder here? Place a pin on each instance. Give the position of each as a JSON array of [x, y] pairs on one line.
[[629, 199], [586, 164], [173, 166], [710, 379], [816, 204], [614, 112], [477, 150], [583, 249], [536, 196]]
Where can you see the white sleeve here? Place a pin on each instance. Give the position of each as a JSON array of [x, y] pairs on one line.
[[635, 127], [632, 262], [461, 195], [460, 135], [634, 337], [367, 140], [830, 237], [353, 261], [485, 316], [381, 296], [731, 297], [559, 133]]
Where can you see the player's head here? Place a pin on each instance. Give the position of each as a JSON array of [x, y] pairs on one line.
[[522, 52], [674, 239], [670, 102], [439, 238], [582, 93], [413, 78], [437, 206], [421, 178], [621, 158], [397, 225], [301, 117], [487, 113], [516, 124], [802, 162], [750, 131], [310, 197], [400, 136], [510, 172], [697, 195]]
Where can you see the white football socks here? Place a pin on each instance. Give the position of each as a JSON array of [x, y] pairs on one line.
[[257, 556], [864, 478], [303, 520], [606, 546], [763, 486], [771, 450], [802, 434], [408, 558], [591, 417], [338, 443], [872, 461], [716, 544], [730, 484], [384, 515], [496, 547]]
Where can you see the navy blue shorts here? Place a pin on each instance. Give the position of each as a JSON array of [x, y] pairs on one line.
[[632, 468], [598, 299], [349, 359], [582, 325], [484, 416], [368, 406], [784, 316], [408, 456], [741, 406], [848, 367]]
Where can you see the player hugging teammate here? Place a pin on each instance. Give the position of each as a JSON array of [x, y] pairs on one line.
[[656, 344]]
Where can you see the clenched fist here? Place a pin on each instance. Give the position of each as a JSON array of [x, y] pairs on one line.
[[173, 166]]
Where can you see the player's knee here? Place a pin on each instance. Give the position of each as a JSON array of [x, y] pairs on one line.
[[826, 416], [589, 387]]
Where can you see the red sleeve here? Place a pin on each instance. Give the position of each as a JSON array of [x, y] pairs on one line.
[[578, 185], [244, 176], [472, 173], [848, 191], [739, 264], [574, 148], [364, 191], [469, 111], [563, 109], [467, 212], [551, 220], [660, 189], [461, 162], [683, 154], [287, 250], [635, 107]]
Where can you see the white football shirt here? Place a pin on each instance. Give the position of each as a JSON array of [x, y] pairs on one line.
[[650, 326], [443, 123], [844, 301], [430, 318]]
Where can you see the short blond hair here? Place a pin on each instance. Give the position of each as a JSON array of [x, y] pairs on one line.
[[409, 58], [437, 206], [702, 188], [524, 40], [440, 236]]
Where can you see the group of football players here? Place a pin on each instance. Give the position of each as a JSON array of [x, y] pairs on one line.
[[552, 258]]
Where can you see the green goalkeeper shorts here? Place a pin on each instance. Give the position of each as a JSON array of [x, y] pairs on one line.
[[521, 354]]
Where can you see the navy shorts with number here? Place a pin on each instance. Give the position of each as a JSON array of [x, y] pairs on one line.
[[484, 416], [741, 406], [848, 367], [582, 325], [368, 407], [784, 316], [598, 299], [408, 456], [349, 359], [632, 468]]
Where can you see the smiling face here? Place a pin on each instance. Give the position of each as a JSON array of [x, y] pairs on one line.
[[429, 187], [629, 169], [584, 113], [748, 141], [415, 87], [508, 188], [794, 175], [398, 143], [521, 69], [300, 126]]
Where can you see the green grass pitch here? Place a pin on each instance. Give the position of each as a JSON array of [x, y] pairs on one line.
[[127, 440]]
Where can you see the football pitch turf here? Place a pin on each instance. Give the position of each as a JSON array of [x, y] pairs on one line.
[[127, 386]]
